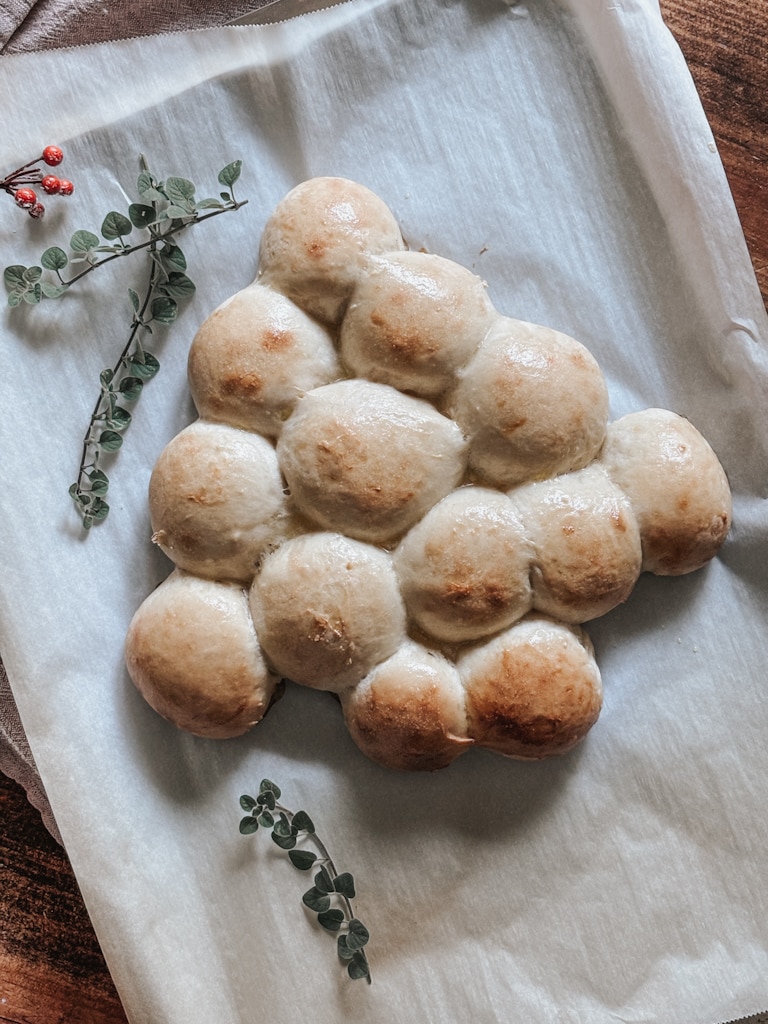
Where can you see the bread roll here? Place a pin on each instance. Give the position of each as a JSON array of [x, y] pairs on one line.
[[408, 713], [532, 691], [366, 460], [254, 356], [317, 240], [327, 609], [216, 500], [464, 569], [192, 652], [533, 403], [678, 489], [586, 543], [413, 320]]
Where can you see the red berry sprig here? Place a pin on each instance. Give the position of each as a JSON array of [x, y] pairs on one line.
[[17, 184]]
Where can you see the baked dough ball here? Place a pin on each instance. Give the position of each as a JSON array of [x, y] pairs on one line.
[[532, 691], [327, 609], [254, 356], [368, 461], [216, 500], [413, 320], [318, 239], [192, 652], [464, 569], [678, 489], [409, 712], [586, 542], [533, 402]]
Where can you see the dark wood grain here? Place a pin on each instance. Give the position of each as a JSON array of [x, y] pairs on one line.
[[51, 970], [725, 43]]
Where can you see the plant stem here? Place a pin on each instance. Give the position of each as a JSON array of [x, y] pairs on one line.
[[138, 323], [153, 241]]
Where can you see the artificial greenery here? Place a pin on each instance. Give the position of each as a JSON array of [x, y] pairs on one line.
[[166, 209], [332, 893]]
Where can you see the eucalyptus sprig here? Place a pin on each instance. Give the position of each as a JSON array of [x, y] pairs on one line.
[[332, 893], [166, 209]]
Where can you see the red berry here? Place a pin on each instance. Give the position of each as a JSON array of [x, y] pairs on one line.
[[37, 211], [66, 188], [50, 184], [26, 198], [52, 155]]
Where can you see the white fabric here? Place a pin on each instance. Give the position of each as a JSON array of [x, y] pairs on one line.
[[561, 152]]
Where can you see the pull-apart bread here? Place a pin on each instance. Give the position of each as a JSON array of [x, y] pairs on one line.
[[397, 494]]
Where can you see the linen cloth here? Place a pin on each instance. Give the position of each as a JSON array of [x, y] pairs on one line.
[[560, 151]]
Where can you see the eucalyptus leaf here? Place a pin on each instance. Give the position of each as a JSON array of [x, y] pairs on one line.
[[209, 204], [179, 190], [141, 215], [146, 367], [316, 900], [164, 309], [283, 828], [83, 241], [358, 968], [343, 949], [109, 440], [51, 290], [178, 212], [247, 802], [14, 276], [32, 274], [266, 819], [344, 884], [331, 919], [15, 298], [248, 825], [120, 419], [130, 388], [302, 859], [99, 481], [228, 175], [147, 187], [303, 822], [54, 258], [172, 258], [323, 880], [99, 510], [268, 800], [266, 786], [357, 936], [115, 225], [135, 300], [284, 842], [178, 285], [33, 295]]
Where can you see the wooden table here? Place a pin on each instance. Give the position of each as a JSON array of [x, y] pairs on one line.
[[51, 969]]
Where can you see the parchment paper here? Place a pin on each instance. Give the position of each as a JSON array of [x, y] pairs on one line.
[[560, 151]]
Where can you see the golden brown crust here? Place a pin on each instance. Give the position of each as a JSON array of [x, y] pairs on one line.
[[532, 691], [317, 240], [409, 713], [586, 542], [366, 460], [414, 319], [533, 402], [216, 501], [327, 609], [254, 356], [464, 569], [192, 651], [678, 489]]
